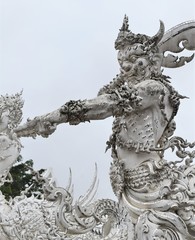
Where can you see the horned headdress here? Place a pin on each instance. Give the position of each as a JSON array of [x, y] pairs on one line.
[[161, 42]]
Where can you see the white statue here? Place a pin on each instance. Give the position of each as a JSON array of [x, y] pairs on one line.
[[10, 118], [156, 198]]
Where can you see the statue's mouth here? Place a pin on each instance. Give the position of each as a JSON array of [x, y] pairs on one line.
[[128, 71], [134, 72]]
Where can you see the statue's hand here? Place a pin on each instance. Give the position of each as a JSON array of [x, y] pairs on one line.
[[38, 126]]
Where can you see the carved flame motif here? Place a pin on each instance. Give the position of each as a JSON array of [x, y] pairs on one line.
[[183, 33]]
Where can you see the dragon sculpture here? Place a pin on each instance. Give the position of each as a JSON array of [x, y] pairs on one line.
[[156, 197]]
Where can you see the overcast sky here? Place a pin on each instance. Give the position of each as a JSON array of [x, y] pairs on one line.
[[59, 50]]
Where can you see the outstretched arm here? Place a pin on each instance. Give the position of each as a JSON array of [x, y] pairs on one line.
[[73, 112], [118, 102]]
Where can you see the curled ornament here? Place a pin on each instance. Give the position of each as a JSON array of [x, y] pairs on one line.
[[176, 40]]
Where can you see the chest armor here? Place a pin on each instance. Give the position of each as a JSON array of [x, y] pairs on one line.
[[140, 130]]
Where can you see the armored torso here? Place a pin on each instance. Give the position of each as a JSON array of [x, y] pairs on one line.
[[141, 129]]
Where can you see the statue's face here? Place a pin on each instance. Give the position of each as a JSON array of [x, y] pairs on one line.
[[135, 63]]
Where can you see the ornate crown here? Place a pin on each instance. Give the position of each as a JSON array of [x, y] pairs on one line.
[[127, 38]]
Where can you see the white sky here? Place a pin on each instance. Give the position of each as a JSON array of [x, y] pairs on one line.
[[58, 50]]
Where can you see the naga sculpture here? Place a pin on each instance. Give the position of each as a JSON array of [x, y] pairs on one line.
[[156, 197]]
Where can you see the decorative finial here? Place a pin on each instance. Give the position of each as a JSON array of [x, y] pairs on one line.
[[125, 26]]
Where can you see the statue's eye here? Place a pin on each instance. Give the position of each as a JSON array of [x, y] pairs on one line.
[[132, 59]]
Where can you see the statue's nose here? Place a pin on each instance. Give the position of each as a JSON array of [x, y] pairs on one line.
[[126, 66]]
